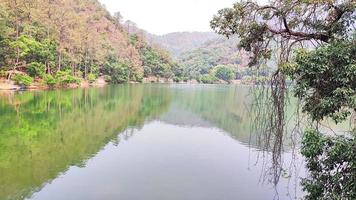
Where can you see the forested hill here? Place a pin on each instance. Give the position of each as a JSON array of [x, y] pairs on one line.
[[220, 51], [180, 42], [67, 41], [204, 55]]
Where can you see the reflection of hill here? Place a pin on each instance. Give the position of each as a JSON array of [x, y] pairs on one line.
[[181, 117], [54, 130], [219, 106], [226, 107]]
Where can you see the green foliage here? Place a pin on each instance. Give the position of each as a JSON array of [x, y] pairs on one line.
[[251, 22], [208, 79], [91, 78], [49, 80], [118, 71], [35, 69], [326, 80], [220, 51], [155, 64], [2, 73], [224, 73], [332, 165], [34, 43], [65, 77], [22, 79]]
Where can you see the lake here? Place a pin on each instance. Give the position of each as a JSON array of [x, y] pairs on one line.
[[139, 142]]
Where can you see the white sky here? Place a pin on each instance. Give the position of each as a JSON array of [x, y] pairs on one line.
[[165, 16]]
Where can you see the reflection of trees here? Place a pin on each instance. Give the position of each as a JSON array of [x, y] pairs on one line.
[[53, 130], [243, 114], [222, 106]]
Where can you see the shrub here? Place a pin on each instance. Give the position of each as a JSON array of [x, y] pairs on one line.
[[49, 80], [118, 71], [136, 76], [2, 73], [22, 79], [224, 73], [208, 79], [147, 71], [331, 164], [107, 78], [177, 79], [35, 69], [91, 78], [65, 77]]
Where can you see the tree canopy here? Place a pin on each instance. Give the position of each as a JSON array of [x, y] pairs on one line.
[[42, 38]]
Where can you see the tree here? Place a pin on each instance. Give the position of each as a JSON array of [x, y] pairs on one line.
[[118, 18], [288, 22], [223, 72], [324, 76], [283, 25]]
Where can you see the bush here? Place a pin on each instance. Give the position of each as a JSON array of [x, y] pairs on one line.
[[3, 73], [136, 76], [147, 71], [49, 80], [22, 79], [35, 69], [177, 79], [118, 71], [65, 77], [331, 163], [208, 79], [107, 78], [91, 78], [224, 73]]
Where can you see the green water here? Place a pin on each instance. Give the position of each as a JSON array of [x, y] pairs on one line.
[[147, 142]]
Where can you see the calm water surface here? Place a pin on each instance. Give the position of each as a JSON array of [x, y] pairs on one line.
[[136, 142]]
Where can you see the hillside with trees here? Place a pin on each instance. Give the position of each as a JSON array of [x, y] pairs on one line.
[[181, 42], [56, 43], [218, 52]]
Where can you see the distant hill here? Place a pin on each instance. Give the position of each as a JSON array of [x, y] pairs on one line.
[[181, 42], [219, 51], [198, 52]]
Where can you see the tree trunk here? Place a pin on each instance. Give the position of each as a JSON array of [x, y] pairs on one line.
[[59, 61]]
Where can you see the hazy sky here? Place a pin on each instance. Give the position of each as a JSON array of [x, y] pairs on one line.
[[164, 16]]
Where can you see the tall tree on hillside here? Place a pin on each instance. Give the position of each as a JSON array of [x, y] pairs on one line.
[[18, 13], [118, 19]]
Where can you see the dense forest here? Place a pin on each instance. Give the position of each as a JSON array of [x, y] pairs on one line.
[[201, 54], [181, 42], [70, 43], [201, 63], [65, 42]]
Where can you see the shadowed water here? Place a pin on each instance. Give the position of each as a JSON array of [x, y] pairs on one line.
[[148, 142]]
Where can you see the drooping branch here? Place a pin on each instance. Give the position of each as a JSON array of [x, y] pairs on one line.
[[286, 33]]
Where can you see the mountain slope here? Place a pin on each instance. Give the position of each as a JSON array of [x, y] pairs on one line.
[[63, 42], [220, 51], [180, 42]]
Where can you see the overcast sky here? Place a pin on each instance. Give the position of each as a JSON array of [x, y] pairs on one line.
[[165, 16]]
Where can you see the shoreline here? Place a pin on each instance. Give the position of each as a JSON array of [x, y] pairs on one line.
[[6, 85]]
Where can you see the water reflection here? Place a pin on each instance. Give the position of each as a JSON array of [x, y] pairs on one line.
[[46, 134]]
